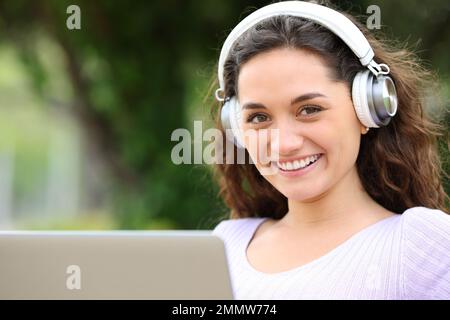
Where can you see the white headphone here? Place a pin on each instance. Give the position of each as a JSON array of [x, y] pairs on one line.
[[373, 92]]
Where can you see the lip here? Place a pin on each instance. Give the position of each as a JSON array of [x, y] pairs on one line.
[[298, 172], [298, 158]]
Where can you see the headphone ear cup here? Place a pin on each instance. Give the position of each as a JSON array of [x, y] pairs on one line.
[[360, 98], [231, 117], [383, 99]]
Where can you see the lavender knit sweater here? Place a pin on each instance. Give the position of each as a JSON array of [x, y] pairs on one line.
[[406, 256]]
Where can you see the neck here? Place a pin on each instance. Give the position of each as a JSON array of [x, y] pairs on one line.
[[345, 204]]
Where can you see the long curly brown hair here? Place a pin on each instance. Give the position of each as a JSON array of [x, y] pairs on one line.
[[398, 165]]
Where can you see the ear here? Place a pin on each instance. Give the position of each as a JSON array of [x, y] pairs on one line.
[[364, 129]]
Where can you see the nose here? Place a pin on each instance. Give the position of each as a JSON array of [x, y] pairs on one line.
[[287, 140]]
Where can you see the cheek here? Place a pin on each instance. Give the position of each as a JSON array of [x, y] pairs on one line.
[[344, 146], [257, 143], [323, 136], [339, 140]]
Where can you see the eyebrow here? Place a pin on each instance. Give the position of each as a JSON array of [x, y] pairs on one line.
[[303, 97]]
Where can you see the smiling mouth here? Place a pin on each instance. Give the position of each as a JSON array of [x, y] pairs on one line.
[[298, 165]]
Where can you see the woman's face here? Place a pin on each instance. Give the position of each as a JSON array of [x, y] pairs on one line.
[[291, 90]]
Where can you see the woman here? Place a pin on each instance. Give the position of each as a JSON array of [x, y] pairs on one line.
[[350, 213]]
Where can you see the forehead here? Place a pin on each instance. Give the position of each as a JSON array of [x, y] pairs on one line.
[[282, 71]]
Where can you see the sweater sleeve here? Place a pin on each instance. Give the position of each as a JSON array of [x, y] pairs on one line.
[[425, 255], [221, 228]]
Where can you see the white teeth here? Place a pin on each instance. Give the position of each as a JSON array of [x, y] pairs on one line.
[[303, 163], [297, 164]]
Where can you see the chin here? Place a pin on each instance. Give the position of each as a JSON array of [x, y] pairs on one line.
[[304, 191], [301, 196]]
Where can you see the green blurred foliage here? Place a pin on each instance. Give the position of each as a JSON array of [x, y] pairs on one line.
[[137, 70]]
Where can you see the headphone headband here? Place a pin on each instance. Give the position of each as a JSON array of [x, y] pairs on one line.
[[329, 18]]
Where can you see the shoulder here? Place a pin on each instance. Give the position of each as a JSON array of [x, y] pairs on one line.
[[425, 253], [234, 227], [426, 223]]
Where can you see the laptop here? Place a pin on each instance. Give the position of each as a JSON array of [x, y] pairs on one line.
[[168, 264]]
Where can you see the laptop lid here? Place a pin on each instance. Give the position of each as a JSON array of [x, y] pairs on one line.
[[113, 265]]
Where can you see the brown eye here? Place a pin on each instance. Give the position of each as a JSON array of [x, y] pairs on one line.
[[257, 118], [310, 110]]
